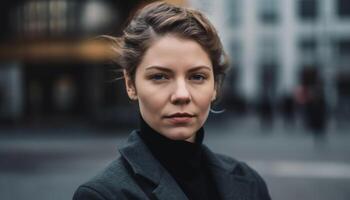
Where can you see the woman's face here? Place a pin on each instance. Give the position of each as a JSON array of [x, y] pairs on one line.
[[174, 85]]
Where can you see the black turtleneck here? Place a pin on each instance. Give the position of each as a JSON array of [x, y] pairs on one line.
[[183, 160]]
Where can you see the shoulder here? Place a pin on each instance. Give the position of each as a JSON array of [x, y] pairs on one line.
[[243, 170], [114, 182], [239, 168]]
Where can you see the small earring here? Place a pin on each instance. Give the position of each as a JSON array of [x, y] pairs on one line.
[[217, 111]]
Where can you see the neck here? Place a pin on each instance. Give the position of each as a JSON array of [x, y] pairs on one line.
[[197, 138], [181, 157]]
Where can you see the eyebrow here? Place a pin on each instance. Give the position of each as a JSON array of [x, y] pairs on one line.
[[167, 69]]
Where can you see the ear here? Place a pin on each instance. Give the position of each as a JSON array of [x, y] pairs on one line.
[[129, 86]]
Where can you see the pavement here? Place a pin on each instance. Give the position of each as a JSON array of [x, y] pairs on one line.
[[50, 164]]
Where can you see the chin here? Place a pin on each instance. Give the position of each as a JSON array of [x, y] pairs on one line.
[[180, 134]]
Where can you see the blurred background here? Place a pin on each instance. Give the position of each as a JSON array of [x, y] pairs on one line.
[[63, 114]]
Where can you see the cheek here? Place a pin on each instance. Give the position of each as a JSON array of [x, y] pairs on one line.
[[203, 103], [150, 100], [204, 96]]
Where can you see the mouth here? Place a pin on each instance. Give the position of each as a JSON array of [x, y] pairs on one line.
[[180, 118], [180, 115]]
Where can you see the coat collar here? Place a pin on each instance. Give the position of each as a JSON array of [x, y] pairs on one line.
[[230, 184], [142, 162]]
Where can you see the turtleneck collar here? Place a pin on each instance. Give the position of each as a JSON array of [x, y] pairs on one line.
[[180, 158]]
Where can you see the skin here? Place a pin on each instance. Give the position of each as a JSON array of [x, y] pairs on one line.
[[174, 85]]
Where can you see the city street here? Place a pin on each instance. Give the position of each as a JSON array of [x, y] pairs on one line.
[[75, 76], [51, 166]]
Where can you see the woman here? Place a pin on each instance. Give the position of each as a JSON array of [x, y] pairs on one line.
[[173, 64]]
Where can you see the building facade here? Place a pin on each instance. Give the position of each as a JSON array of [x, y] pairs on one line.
[[272, 43]]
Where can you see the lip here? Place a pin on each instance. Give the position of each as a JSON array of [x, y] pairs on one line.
[[180, 118], [175, 115]]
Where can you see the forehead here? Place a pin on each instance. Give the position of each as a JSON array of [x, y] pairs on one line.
[[173, 51]]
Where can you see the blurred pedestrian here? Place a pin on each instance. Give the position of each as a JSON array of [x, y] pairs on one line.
[[316, 113], [288, 110], [265, 109], [173, 64]]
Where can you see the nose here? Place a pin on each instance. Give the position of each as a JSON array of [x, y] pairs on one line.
[[181, 94]]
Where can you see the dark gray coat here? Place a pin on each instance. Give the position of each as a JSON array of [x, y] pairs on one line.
[[136, 174]]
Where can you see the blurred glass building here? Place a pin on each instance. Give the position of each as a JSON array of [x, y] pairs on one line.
[[50, 72], [278, 46]]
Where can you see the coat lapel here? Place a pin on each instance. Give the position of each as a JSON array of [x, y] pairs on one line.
[[230, 185], [144, 164], [168, 189]]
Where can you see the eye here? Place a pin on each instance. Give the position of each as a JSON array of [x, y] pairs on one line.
[[158, 77], [198, 77]]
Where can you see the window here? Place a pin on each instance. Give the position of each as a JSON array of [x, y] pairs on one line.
[[268, 11], [268, 48], [308, 45], [308, 50], [308, 9], [268, 78], [343, 8], [235, 51], [268, 65], [233, 8], [206, 6], [343, 47]]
